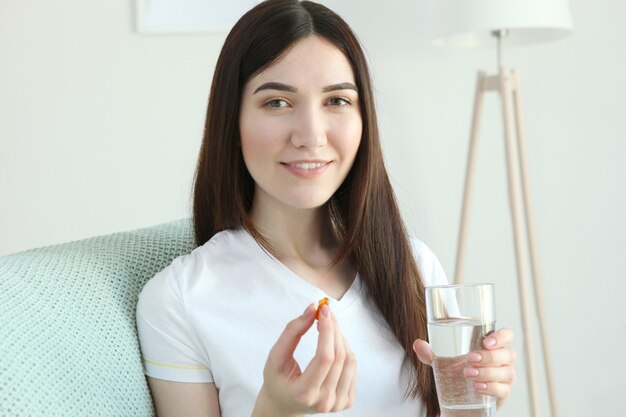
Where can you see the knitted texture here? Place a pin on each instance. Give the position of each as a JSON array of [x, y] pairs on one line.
[[68, 342]]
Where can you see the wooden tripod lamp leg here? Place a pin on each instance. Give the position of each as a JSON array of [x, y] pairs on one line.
[[506, 83], [506, 92], [470, 169], [532, 242]]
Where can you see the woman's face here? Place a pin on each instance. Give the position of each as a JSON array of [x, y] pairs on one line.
[[301, 126]]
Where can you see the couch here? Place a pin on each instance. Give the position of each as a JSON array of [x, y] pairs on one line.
[[68, 342]]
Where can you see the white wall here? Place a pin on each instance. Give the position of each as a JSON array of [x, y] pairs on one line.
[[99, 130]]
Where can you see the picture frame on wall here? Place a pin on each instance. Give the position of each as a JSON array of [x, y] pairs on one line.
[[189, 16]]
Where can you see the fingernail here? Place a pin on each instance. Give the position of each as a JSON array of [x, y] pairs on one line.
[[490, 342], [481, 386], [474, 357], [470, 372], [325, 310]]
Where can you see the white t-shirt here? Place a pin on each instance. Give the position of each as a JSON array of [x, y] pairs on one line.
[[214, 315]]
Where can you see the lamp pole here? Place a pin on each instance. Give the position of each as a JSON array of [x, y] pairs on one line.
[[506, 84]]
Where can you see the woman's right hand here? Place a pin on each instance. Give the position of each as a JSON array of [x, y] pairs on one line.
[[327, 384]]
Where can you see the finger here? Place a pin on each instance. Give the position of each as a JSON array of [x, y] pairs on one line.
[[346, 384], [501, 374], [423, 351], [288, 341], [353, 383], [498, 339], [317, 370], [329, 386], [495, 389], [487, 358]]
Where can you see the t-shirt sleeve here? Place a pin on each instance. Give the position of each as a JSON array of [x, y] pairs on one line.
[[430, 268], [169, 347]]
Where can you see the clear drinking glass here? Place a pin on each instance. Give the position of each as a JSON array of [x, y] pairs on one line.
[[459, 318]]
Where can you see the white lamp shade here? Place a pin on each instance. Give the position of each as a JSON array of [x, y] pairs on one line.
[[470, 23]]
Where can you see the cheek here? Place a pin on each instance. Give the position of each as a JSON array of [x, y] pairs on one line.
[[259, 138], [348, 137], [252, 150], [261, 143], [253, 136], [251, 145]]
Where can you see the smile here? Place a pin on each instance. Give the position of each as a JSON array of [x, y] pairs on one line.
[[307, 169], [308, 165]]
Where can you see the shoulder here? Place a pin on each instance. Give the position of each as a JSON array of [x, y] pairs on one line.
[[175, 281], [430, 268]]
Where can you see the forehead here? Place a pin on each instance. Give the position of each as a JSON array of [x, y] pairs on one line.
[[309, 61]]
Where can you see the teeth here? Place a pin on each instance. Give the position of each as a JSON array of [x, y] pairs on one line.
[[312, 165]]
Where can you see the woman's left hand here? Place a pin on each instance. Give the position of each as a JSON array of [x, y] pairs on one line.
[[490, 368]]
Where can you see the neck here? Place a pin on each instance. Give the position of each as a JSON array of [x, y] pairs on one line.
[[304, 241], [305, 234]]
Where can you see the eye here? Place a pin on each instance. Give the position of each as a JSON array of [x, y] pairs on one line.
[[339, 101], [276, 103]]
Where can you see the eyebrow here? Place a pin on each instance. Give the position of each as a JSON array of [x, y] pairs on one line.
[[340, 86], [272, 85]]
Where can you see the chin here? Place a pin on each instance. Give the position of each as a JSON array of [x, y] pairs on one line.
[[308, 202]]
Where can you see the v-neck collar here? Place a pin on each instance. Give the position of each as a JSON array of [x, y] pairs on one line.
[[306, 288]]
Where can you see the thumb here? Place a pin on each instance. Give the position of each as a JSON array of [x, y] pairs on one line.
[[423, 351], [288, 341]]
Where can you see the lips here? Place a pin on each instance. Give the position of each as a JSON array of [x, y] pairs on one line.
[[306, 165], [306, 168]]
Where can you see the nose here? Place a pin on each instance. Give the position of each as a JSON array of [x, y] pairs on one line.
[[309, 130]]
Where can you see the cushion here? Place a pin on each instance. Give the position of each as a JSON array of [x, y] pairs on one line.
[[68, 342]]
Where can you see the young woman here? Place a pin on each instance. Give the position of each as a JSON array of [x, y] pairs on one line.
[[292, 203]]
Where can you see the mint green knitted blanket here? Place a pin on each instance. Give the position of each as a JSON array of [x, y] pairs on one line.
[[68, 343]]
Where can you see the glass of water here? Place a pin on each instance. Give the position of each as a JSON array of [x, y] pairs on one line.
[[459, 318]]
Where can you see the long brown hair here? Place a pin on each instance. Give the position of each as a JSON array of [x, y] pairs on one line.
[[363, 209]]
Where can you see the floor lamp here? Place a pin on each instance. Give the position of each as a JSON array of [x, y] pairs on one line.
[[479, 23]]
